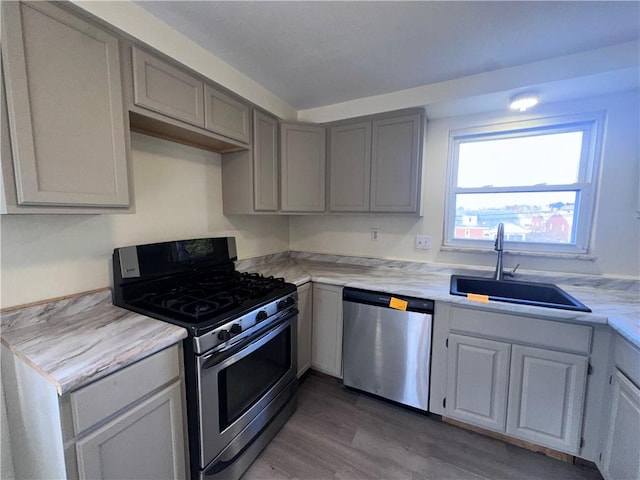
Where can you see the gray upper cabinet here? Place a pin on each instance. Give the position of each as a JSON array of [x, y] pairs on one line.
[[265, 163], [226, 116], [395, 164], [165, 89], [350, 168], [67, 128], [302, 168], [375, 164], [250, 177], [169, 101]]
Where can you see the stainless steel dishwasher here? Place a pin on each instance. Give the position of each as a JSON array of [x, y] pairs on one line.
[[386, 347]]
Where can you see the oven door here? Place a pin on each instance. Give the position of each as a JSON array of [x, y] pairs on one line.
[[238, 382]]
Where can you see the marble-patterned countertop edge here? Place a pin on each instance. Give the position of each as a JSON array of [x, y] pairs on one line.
[[617, 306], [76, 341]]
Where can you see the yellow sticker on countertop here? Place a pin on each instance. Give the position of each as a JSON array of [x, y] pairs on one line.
[[398, 304], [478, 298]]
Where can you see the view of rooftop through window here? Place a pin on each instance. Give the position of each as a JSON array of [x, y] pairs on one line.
[[531, 181]]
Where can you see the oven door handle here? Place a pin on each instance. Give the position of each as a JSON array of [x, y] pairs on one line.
[[221, 355]]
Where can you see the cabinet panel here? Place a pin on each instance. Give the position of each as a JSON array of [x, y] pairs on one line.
[[144, 443], [303, 161], [546, 394], [327, 329], [97, 401], [305, 322], [621, 458], [265, 162], [66, 115], [477, 381], [350, 168], [395, 166], [166, 89], [226, 116]]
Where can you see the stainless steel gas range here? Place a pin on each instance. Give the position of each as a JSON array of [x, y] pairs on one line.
[[240, 355]]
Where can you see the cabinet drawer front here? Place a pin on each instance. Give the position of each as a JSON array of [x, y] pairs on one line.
[[66, 111], [627, 359], [532, 331], [226, 116], [165, 89], [105, 397], [546, 397]]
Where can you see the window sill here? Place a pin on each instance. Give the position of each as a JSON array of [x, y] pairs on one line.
[[521, 253]]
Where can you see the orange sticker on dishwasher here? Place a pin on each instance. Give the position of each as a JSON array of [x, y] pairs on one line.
[[398, 304], [478, 298]]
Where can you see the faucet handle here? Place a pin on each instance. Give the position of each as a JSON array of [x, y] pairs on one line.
[[512, 273]]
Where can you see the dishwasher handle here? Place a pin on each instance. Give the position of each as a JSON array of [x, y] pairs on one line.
[[381, 299]]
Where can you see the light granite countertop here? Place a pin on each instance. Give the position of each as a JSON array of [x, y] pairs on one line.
[[78, 340], [612, 301]]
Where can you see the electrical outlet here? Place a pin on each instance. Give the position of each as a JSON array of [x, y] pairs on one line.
[[375, 232], [423, 242]]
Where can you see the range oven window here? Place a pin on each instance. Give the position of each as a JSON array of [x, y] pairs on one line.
[[244, 382]]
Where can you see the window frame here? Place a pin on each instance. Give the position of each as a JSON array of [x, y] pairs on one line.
[[590, 124]]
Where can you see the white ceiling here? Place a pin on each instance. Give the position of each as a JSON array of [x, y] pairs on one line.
[[312, 54]]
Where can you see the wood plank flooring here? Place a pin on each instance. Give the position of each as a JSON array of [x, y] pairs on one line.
[[337, 433]]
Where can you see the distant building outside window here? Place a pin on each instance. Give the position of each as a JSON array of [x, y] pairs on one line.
[[537, 177]]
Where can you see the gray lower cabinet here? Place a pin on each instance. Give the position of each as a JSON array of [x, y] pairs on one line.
[[302, 168], [305, 323], [130, 424], [66, 123], [621, 456], [620, 438], [522, 376], [250, 178], [327, 329], [375, 164], [143, 443]]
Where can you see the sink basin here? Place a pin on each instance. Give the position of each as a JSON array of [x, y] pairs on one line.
[[525, 293]]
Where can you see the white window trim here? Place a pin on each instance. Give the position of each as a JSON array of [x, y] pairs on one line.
[[588, 177]]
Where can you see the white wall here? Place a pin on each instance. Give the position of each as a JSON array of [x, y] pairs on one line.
[[178, 194], [616, 232]]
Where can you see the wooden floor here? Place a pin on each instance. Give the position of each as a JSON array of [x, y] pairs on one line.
[[339, 434]]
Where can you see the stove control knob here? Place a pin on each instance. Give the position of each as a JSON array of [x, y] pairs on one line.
[[289, 301], [224, 335], [236, 328], [262, 315], [282, 305]]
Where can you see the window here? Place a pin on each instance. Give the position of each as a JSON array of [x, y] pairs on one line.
[[535, 177]]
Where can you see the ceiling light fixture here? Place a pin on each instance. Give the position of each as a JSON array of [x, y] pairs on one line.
[[524, 101]]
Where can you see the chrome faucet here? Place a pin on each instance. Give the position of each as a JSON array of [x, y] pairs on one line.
[[499, 274], [499, 247]]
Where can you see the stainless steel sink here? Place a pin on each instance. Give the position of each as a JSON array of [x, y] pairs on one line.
[[525, 293]]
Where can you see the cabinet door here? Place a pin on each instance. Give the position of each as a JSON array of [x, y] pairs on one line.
[[302, 168], [305, 322], [477, 381], [350, 168], [226, 116], [166, 89], [546, 396], [66, 115], [327, 329], [265, 162], [621, 458], [395, 164], [146, 442]]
